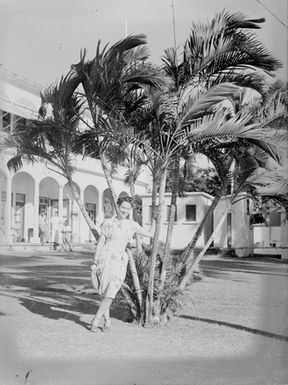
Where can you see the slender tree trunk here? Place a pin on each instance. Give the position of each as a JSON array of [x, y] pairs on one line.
[[188, 251], [153, 201], [136, 281], [108, 178], [138, 239], [150, 293], [173, 205], [132, 189], [196, 260], [166, 255], [83, 210]]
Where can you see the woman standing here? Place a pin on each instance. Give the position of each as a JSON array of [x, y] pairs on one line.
[[111, 259]]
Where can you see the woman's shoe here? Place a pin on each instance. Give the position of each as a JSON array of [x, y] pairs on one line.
[[94, 326]]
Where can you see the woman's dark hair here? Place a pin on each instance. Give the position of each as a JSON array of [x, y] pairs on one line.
[[125, 198]]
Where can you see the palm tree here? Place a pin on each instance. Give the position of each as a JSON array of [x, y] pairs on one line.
[[52, 138], [221, 55], [114, 83], [222, 135], [222, 50], [216, 52], [161, 143]]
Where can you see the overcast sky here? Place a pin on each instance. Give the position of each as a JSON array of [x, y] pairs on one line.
[[39, 40]]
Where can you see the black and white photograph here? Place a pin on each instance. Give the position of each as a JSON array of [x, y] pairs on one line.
[[144, 192]]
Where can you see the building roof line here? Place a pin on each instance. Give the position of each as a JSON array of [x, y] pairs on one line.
[[19, 77], [12, 77], [18, 105]]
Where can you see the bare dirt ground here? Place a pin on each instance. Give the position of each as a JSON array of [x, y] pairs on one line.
[[232, 330]]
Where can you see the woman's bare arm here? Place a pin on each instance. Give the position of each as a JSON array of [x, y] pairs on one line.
[[147, 233]]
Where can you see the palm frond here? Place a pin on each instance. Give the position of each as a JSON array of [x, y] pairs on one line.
[[15, 163], [117, 50], [225, 43], [144, 75], [269, 182], [61, 95], [251, 80], [238, 127], [266, 149], [195, 108], [7, 141], [139, 53]]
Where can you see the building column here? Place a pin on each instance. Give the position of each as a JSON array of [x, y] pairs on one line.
[[284, 235], [35, 238], [8, 208], [60, 201], [99, 207], [82, 221]]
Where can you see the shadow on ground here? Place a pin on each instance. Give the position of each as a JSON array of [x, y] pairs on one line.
[[279, 337], [54, 287]]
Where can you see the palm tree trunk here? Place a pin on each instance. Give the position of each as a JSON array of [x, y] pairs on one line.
[[174, 195], [188, 251], [196, 260], [135, 279], [108, 178], [150, 293], [153, 201], [166, 255], [133, 195], [83, 210]]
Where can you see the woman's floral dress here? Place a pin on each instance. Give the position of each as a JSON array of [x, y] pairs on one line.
[[113, 258]]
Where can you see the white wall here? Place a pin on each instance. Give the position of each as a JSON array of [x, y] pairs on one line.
[[49, 182], [241, 233], [183, 230]]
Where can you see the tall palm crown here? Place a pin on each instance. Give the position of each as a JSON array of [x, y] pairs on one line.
[[113, 80], [51, 138], [225, 47], [216, 54]]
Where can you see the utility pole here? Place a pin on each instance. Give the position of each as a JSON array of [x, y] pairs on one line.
[[174, 29], [126, 27]]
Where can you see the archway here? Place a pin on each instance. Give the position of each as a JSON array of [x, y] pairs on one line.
[[71, 211], [108, 206], [22, 204], [48, 196], [49, 208], [91, 201]]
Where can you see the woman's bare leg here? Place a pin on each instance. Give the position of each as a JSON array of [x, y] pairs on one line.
[[107, 323], [103, 311], [104, 307]]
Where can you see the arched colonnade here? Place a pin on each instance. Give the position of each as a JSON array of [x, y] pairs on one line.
[[34, 200]]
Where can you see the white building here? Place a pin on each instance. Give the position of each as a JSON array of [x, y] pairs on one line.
[[190, 212], [39, 188], [238, 233], [246, 234]]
